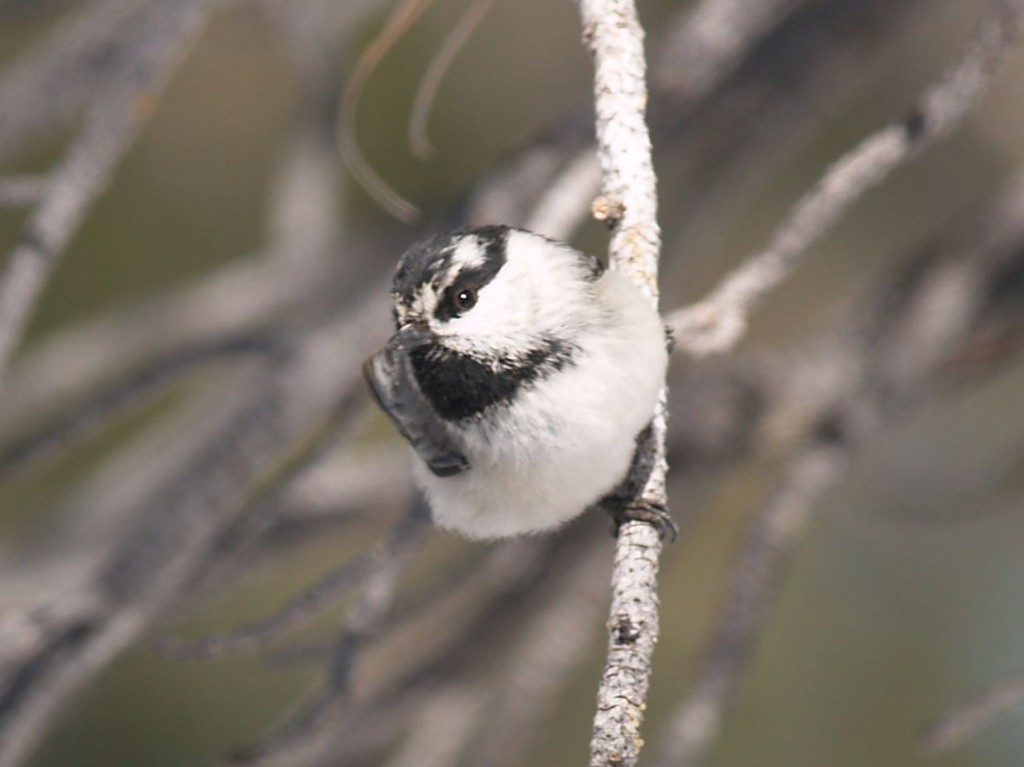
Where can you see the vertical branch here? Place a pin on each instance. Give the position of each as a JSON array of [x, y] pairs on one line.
[[629, 189], [628, 203]]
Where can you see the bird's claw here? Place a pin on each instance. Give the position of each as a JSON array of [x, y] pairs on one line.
[[651, 513]]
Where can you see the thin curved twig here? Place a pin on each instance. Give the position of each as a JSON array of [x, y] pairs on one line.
[[362, 171], [426, 95]]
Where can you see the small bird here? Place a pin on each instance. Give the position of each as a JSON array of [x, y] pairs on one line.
[[522, 373]]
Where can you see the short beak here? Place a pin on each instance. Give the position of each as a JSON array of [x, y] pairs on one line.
[[410, 336]]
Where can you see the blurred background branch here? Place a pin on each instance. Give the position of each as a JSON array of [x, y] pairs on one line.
[[185, 444]]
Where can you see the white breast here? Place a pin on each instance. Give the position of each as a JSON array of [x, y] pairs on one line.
[[568, 439]]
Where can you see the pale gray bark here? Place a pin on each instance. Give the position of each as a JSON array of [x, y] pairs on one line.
[[629, 204]]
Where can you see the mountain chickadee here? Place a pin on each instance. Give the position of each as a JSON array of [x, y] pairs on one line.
[[522, 374]]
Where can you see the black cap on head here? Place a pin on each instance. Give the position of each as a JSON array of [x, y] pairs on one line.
[[424, 262]]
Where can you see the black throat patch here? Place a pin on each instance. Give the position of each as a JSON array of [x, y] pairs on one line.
[[460, 386]]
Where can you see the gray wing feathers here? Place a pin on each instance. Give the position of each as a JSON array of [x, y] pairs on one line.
[[391, 381]]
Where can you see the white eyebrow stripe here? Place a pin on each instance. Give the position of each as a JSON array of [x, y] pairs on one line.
[[469, 253]]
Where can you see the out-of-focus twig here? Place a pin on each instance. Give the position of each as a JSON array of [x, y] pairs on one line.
[[364, 621], [557, 639], [307, 605], [18, 191], [441, 729], [345, 482], [112, 123], [718, 322], [240, 299], [759, 566], [964, 721], [442, 648], [49, 84], [928, 318], [101, 409], [304, 220], [176, 524], [558, 212], [514, 579], [707, 41]]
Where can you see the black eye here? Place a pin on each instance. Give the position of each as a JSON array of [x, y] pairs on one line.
[[464, 300]]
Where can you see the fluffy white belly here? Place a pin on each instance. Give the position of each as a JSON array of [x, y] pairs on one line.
[[525, 493], [564, 442]]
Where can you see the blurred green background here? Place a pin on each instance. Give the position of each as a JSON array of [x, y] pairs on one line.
[[906, 594]]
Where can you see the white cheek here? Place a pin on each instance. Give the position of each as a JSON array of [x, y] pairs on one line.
[[501, 317], [522, 307], [567, 441]]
